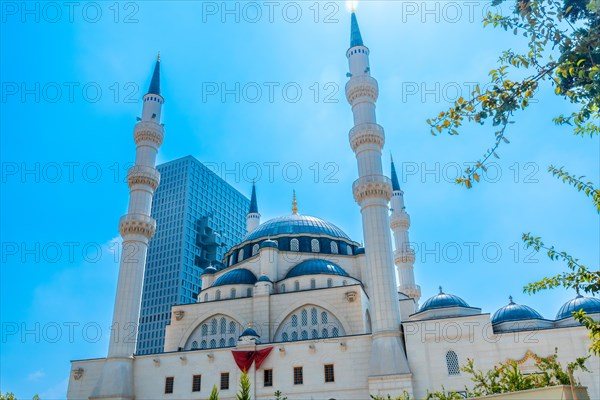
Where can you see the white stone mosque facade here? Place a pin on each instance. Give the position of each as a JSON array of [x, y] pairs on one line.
[[305, 309]]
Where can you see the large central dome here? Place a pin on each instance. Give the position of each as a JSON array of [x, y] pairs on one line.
[[296, 224]]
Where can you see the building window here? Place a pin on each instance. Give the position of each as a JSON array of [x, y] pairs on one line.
[[294, 245], [203, 344], [334, 248], [241, 255], [218, 295], [223, 324], [231, 342], [213, 326], [298, 376], [294, 320], [313, 316], [205, 296], [452, 363], [296, 286], [169, 382], [232, 295], [313, 284], [213, 344], [232, 327], [255, 249], [329, 375], [196, 383], [224, 380], [314, 246], [283, 288], [194, 345], [349, 250], [222, 343], [268, 377], [329, 282], [304, 317]]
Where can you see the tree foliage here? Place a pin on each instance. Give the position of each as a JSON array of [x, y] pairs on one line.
[[214, 393], [244, 393]]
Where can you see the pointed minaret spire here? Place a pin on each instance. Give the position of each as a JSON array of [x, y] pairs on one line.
[[355, 36], [155, 82], [395, 183], [253, 216]]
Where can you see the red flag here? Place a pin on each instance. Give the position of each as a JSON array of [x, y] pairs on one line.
[[261, 355], [243, 359]]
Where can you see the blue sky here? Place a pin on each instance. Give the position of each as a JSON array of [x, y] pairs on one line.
[[59, 222]]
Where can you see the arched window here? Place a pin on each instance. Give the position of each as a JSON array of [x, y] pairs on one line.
[[324, 333], [222, 343], [313, 316], [204, 330], [304, 316], [344, 282], [241, 255], [335, 332], [203, 344], [329, 282], [294, 320], [232, 295], [452, 363], [194, 345], [231, 342], [213, 327], [249, 292], [231, 260], [315, 334], [219, 328], [223, 326], [296, 286], [255, 249], [218, 295], [294, 335], [349, 250], [313, 284], [324, 317], [314, 246], [297, 324], [213, 344], [294, 245], [285, 337], [232, 327], [205, 296], [304, 335], [334, 247], [283, 288]]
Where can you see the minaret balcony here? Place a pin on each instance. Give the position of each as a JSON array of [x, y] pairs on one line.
[[377, 186], [362, 86], [404, 256], [366, 134], [149, 131], [399, 219], [140, 224], [143, 175]]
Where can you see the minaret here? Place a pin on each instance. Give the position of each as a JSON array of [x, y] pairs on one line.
[[404, 256], [136, 228], [372, 191], [253, 216]]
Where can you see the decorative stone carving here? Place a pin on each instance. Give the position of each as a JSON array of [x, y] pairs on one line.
[[77, 373], [361, 86], [366, 134], [137, 223], [372, 186], [351, 296], [149, 131], [179, 315], [140, 174]]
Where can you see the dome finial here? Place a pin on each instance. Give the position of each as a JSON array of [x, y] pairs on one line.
[[158, 58], [441, 291], [510, 300], [294, 204]]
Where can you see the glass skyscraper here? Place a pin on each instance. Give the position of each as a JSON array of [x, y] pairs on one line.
[[199, 217]]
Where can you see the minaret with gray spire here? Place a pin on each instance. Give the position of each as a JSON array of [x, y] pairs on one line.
[[136, 228], [388, 370], [253, 216], [404, 256]]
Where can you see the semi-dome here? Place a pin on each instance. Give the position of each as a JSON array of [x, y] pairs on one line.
[[264, 278], [314, 267], [296, 224], [249, 332], [514, 312], [443, 300], [590, 305], [236, 277]]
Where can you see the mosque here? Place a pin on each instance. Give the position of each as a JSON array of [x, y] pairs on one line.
[[308, 311]]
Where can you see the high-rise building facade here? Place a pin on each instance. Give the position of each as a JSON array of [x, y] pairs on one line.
[[199, 217]]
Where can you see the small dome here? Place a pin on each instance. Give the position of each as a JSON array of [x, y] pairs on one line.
[[443, 300], [360, 250], [514, 312], [209, 271], [236, 277], [313, 267], [268, 243], [296, 224], [249, 332], [590, 305], [264, 278]]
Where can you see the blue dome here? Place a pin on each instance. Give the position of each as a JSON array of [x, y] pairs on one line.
[[313, 267], [249, 332], [443, 300], [236, 277], [590, 305], [209, 271], [264, 278], [296, 224], [360, 250], [514, 312], [268, 243]]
